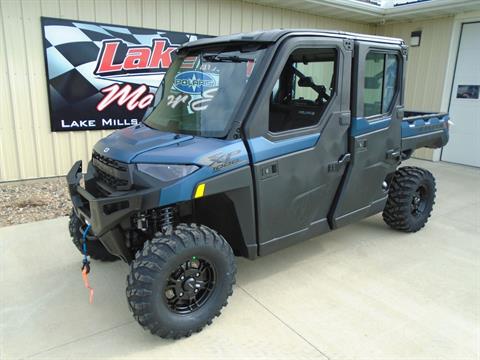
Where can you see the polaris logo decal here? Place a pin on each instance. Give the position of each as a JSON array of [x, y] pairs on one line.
[[193, 82]]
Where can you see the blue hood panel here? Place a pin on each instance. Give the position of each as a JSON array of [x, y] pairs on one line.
[[140, 144], [198, 150], [123, 145]]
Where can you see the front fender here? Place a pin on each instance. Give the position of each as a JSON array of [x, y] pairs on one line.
[[213, 163]]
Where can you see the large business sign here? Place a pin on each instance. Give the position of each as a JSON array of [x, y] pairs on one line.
[[104, 76]]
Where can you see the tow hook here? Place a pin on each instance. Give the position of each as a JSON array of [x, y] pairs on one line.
[[86, 263]]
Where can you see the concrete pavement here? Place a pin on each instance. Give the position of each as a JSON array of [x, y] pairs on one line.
[[363, 292]]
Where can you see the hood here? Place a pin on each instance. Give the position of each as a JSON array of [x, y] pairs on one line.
[[141, 144], [125, 144]]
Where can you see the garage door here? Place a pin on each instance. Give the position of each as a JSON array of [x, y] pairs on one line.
[[464, 144]]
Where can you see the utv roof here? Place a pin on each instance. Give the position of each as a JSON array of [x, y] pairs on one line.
[[271, 36]]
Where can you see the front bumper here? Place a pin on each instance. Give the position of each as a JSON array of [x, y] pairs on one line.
[[108, 213]]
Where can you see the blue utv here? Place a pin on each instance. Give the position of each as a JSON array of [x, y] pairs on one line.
[[258, 141]]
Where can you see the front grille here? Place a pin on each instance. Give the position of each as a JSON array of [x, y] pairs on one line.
[[110, 162], [111, 172], [112, 181]]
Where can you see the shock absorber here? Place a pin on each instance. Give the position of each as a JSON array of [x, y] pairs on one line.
[[166, 217]]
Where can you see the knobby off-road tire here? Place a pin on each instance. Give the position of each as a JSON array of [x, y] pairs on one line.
[[95, 248], [410, 199], [165, 272]]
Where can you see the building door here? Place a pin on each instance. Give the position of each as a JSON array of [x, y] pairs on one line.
[[464, 144]]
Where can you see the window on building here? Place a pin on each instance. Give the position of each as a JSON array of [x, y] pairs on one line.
[[381, 71], [303, 90]]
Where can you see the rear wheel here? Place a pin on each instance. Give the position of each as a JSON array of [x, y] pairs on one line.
[[410, 199], [95, 248], [180, 281]]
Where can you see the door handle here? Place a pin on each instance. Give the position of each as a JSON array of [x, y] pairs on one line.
[[394, 154], [337, 165], [269, 170]]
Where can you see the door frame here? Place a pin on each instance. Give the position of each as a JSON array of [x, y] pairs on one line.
[[255, 125], [348, 206], [257, 133]]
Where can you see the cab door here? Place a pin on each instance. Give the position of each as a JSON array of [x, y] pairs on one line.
[[298, 139], [375, 133]]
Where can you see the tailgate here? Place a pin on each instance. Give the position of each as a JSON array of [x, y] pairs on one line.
[[422, 129]]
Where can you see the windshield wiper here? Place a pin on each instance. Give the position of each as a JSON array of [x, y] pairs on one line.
[[225, 58]]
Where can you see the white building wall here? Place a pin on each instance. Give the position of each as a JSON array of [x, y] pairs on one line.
[[427, 65], [28, 149]]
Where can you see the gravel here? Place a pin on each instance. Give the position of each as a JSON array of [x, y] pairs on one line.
[[27, 201]]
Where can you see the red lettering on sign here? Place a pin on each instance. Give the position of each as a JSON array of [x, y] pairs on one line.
[[161, 56], [106, 58], [156, 57], [136, 58]]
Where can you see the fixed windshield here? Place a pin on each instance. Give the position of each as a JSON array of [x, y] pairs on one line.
[[201, 90]]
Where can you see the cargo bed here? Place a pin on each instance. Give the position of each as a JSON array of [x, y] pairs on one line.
[[423, 129]]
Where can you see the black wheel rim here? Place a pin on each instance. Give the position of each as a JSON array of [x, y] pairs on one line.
[[419, 201], [190, 285]]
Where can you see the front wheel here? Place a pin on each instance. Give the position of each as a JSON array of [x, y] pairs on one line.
[[410, 199], [180, 281]]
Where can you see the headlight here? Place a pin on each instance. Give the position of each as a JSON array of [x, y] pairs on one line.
[[167, 172]]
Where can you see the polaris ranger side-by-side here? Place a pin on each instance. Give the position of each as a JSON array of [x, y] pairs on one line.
[[258, 141]]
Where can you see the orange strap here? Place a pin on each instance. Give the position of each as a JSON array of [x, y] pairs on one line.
[[87, 284]]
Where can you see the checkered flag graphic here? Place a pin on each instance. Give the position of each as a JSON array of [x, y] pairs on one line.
[[72, 49]]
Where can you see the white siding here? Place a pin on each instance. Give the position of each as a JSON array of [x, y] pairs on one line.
[[28, 149], [427, 64]]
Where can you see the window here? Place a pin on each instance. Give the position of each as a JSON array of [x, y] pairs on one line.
[[380, 83], [303, 90], [202, 88]]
